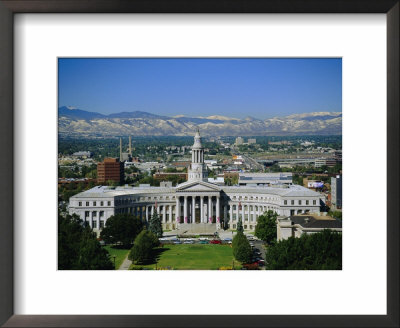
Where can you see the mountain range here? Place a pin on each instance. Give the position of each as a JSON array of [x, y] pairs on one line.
[[77, 122]]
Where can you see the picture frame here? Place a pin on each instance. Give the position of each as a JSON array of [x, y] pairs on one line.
[[8, 8]]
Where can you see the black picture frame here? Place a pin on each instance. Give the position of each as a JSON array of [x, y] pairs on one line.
[[7, 10]]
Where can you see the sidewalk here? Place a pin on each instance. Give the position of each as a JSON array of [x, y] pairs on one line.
[[126, 264]]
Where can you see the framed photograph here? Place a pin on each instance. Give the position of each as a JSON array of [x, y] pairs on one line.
[[152, 148]]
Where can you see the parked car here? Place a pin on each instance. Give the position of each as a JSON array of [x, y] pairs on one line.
[[203, 242], [177, 242], [215, 241], [227, 239], [261, 262], [188, 242]]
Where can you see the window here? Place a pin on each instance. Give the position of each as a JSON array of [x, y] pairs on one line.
[[101, 214], [285, 202], [94, 224], [94, 214], [299, 202], [314, 202], [101, 224], [94, 203], [87, 203], [86, 214], [307, 202], [108, 203], [234, 207], [101, 203], [292, 202], [80, 204]]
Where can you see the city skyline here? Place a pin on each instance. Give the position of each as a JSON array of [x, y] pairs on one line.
[[258, 87]]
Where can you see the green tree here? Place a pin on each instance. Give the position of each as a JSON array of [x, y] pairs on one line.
[[318, 251], [121, 228], [239, 227], [241, 248], [78, 248], [142, 247], [155, 225], [266, 227]]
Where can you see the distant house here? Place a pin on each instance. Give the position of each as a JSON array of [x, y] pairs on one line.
[[296, 225], [82, 154]]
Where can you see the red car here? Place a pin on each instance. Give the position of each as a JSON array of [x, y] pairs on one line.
[[215, 241]]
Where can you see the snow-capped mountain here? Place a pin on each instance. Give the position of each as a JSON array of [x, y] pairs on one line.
[[78, 122]]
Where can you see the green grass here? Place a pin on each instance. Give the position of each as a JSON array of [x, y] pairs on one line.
[[119, 253], [191, 257]]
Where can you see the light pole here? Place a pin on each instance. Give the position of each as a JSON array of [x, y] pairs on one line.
[[114, 256]]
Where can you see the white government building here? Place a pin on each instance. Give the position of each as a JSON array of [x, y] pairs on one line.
[[196, 204]]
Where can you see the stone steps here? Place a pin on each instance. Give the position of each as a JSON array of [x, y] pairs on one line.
[[197, 228]]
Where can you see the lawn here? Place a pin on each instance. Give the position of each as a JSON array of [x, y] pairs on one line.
[[191, 257], [119, 253]]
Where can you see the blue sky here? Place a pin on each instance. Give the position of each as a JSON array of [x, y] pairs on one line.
[[261, 88]]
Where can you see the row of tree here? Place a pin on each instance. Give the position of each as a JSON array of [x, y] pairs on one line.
[[318, 251], [79, 249]]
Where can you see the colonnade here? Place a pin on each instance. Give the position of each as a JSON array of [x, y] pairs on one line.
[[209, 208], [205, 204]]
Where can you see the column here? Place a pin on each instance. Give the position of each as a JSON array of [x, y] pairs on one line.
[[98, 220], [217, 209], [209, 209], [225, 215], [152, 211], [185, 209], [201, 209], [177, 210], [147, 213], [193, 209], [231, 215], [243, 215], [170, 213], [237, 213], [91, 219], [164, 216]]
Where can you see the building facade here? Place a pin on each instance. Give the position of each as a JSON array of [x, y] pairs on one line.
[[336, 192], [297, 225], [195, 202], [111, 169]]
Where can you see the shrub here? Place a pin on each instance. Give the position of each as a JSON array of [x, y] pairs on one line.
[[241, 248], [143, 245]]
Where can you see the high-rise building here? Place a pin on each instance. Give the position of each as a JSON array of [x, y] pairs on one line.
[[239, 141], [336, 192], [111, 169]]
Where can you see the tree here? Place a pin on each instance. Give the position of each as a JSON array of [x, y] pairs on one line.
[[241, 248], [266, 227], [318, 251], [239, 227], [121, 228], [155, 225], [142, 247], [78, 248]]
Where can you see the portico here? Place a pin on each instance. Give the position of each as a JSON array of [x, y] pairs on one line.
[[198, 202]]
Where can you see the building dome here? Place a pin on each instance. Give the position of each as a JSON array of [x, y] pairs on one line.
[[197, 140]]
